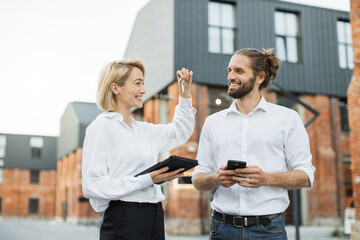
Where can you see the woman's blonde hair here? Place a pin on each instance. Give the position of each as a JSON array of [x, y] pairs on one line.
[[115, 72]]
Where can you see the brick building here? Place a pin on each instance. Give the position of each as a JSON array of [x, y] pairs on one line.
[[70, 203], [354, 114], [314, 45], [316, 49], [27, 176]]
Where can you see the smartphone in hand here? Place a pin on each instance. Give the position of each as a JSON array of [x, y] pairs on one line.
[[234, 164]]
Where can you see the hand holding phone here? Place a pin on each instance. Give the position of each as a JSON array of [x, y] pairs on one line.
[[234, 164]]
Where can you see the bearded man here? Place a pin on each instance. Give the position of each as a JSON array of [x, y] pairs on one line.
[[271, 139]]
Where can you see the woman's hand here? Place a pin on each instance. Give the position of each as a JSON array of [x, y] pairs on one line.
[[184, 81], [162, 176]]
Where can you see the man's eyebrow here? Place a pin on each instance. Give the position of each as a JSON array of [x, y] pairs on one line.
[[236, 68]]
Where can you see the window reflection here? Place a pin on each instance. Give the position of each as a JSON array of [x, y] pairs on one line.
[[345, 49], [287, 38], [221, 30]]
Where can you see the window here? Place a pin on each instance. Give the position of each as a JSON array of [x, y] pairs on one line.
[[0, 205], [34, 176], [221, 20], [2, 146], [33, 205], [218, 100], [344, 115], [345, 50], [1, 175], [36, 144], [287, 36]]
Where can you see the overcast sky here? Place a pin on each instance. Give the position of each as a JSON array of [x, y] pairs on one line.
[[52, 51]]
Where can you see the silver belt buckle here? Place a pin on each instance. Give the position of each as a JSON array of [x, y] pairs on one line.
[[239, 217]]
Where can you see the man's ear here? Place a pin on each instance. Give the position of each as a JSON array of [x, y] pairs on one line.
[[260, 78], [115, 88]]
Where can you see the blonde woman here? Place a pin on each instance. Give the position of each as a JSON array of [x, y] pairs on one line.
[[117, 147]]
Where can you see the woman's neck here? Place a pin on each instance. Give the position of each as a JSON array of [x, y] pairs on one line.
[[125, 112]]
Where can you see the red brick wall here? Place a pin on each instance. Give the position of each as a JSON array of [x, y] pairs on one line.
[[354, 106], [326, 200], [323, 200], [16, 191], [69, 190]]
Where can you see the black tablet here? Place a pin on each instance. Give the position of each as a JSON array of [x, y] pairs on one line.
[[173, 162]]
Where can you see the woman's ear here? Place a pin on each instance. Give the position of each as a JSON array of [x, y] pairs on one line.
[[115, 88]]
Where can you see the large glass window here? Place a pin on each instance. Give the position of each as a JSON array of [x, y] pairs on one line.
[[287, 36], [36, 144], [221, 20], [33, 205], [345, 49]]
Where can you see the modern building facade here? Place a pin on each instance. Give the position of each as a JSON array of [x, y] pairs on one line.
[[27, 175], [316, 49]]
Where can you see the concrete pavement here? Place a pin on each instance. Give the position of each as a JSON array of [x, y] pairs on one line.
[[37, 229]]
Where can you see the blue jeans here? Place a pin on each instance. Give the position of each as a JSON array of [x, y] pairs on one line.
[[272, 231]]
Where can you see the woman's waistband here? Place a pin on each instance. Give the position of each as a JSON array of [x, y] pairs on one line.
[[135, 204]]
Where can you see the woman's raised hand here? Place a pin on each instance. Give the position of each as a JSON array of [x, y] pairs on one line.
[[184, 81]]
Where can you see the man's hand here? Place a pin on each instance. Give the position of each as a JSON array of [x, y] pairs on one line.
[[224, 177], [254, 177], [162, 176], [251, 176]]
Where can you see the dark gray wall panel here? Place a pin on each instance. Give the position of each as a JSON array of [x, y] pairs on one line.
[[68, 139], [19, 155], [318, 71], [74, 121]]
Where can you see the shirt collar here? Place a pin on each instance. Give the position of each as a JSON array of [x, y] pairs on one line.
[[118, 117], [262, 105]]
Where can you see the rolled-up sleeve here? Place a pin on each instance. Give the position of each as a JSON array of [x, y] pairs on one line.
[[96, 181], [297, 148]]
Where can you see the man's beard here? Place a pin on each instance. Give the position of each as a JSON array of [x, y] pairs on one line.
[[243, 89]]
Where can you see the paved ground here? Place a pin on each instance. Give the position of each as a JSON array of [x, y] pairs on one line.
[[35, 229]]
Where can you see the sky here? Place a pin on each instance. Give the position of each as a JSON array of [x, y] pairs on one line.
[[52, 51]]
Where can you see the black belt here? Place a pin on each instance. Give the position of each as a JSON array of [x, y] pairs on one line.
[[135, 204], [244, 221]]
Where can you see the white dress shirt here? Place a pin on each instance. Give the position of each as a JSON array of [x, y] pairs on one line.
[[113, 153], [271, 137]]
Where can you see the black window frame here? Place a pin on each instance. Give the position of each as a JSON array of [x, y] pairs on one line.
[[285, 36], [344, 117], [34, 204], [346, 44], [221, 27], [34, 176]]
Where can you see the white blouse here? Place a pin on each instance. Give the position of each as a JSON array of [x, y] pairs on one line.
[[113, 153]]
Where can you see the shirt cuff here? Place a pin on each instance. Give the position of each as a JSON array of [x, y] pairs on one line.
[[145, 180], [186, 103], [310, 174]]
